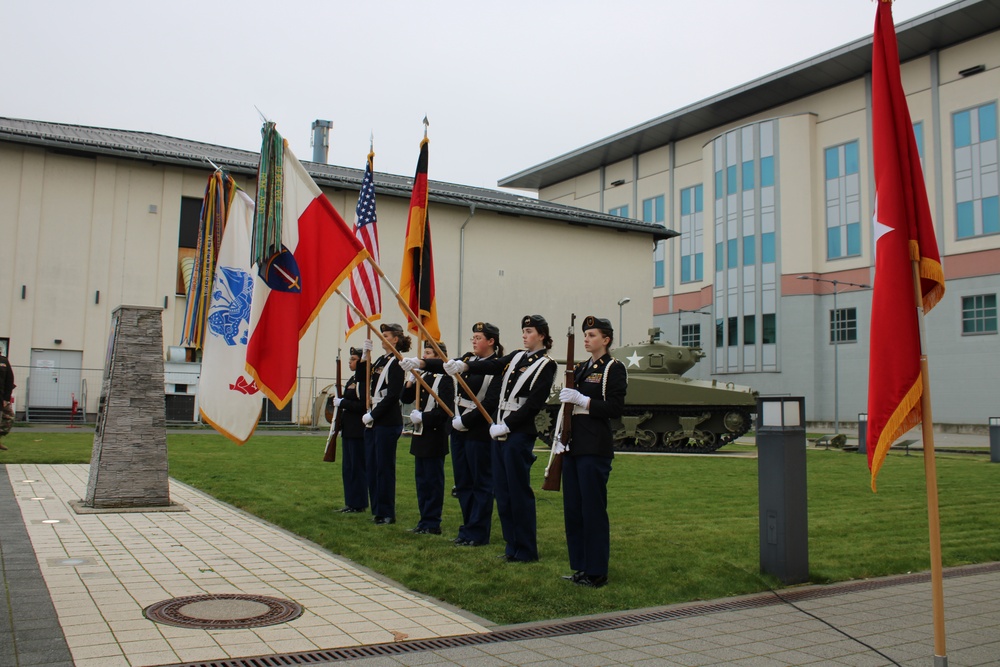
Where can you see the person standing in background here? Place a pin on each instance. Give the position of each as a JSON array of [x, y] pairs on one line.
[[7, 407]]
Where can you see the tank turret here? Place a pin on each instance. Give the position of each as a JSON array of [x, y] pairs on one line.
[[666, 412]]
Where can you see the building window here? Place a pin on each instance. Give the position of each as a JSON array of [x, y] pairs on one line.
[[187, 241], [843, 201], [652, 211], [621, 211], [918, 136], [692, 235], [691, 335], [977, 184], [979, 314], [844, 325], [745, 288]]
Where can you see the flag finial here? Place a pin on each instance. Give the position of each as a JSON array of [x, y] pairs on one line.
[[427, 124]]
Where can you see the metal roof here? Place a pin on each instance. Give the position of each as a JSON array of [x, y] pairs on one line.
[[160, 149], [934, 30]]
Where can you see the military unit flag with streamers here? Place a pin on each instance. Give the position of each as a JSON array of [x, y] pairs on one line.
[[417, 281], [904, 235], [303, 250], [228, 398], [366, 293]]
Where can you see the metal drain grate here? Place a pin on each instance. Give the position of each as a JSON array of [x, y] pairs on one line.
[[582, 626]]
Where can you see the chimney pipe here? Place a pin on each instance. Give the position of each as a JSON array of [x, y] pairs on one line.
[[321, 140]]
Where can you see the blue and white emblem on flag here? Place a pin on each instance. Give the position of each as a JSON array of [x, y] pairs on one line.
[[229, 312]]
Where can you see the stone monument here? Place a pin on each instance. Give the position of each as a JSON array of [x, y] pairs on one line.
[[128, 466]]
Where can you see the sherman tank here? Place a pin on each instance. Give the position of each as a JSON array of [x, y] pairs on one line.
[[666, 412]]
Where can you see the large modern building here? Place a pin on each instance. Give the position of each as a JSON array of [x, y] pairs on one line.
[[770, 186], [94, 218]]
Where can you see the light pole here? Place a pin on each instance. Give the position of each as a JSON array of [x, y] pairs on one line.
[[621, 304], [836, 342], [685, 310]]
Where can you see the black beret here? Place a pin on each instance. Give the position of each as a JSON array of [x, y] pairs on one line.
[[591, 322], [536, 321], [487, 329], [393, 327], [429, 345], [357, 352]]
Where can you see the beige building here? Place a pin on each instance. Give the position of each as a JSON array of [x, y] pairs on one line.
[[770, 187], [94, 218]]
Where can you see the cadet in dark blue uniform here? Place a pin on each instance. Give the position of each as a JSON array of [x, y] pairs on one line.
[[352, 431], [429, 444], [471, 457], [599, 397], [525, 379], [384, 424]]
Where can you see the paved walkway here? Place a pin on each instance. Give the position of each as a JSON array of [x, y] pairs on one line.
[[76, 590]]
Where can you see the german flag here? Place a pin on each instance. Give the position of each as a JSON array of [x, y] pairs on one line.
[[417, 281]]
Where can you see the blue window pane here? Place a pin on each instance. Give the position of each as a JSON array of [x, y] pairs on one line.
[[767, 248], [686, 268], [734, 259], [749, 251], [963, 129], [832, 163], [698, 205], [918, 135], [718, 184], [658, 271], [647, 210], [748, 175], [966, 219], [851, 158], [731, 180], [991, 215], [699, 266], [854, 238], [659, 209], [718, 257], [988, 122], [686, 202], [766, 172], [833, 243]]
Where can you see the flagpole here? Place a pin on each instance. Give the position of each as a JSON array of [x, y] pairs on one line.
[[395, 352], [437, 348], [930, 475]]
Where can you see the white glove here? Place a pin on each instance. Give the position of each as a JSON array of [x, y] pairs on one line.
[[455, 367], [416, 417], [574, 397], [457, 424], [337, 402], [558, 447], [409, 363], [368, 345], [498, 431], [367, 418]]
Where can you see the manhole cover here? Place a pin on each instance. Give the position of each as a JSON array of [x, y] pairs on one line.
[[224, 611]]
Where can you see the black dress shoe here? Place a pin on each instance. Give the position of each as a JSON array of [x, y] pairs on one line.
[[351, 510], [471, 543], [505, 558], [575, 577], [382, 520], [591, 581]]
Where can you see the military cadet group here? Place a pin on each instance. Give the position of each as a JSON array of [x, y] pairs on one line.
[[493, 399]]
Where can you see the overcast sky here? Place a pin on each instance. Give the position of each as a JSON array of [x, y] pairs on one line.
[[505, 85]]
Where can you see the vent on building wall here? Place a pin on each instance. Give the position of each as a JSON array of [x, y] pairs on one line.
[[969, 71]]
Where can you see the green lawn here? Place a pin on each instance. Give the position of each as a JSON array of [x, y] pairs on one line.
[[683, 528]]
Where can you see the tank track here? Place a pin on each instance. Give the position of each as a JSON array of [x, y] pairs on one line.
[[678, 444]]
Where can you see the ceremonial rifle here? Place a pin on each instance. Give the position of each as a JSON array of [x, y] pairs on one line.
[[330, 455], [563, 430]]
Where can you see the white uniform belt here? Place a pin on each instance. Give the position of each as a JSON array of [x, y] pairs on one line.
[[465, 403], [512, 405], [577, 410]]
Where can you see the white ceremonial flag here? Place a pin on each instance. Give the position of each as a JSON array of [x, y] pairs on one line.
[[228, 397]]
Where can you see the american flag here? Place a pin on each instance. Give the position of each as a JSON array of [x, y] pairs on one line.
[[365, 291]]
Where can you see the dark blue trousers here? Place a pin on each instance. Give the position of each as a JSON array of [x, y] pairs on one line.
[[380, 459], [429, 474], [473, 465], [355, 480], [512, 461], [585, 508]]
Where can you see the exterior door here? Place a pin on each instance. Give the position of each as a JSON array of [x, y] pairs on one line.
[[54, 378]]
